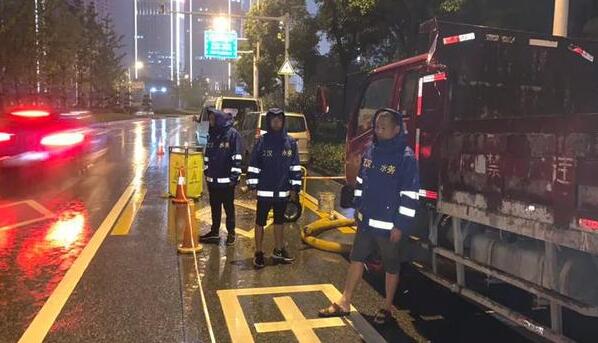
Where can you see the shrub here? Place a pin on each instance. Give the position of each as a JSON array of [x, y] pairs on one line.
[[328, 157]]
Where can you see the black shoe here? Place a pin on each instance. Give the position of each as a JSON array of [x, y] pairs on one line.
[[282, 256], [210, 237], [258, 260], [230, 239]]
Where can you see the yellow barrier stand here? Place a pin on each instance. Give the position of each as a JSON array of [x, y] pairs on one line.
[[190, 158]]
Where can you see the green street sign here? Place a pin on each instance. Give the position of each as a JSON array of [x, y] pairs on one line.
[[220, 44]]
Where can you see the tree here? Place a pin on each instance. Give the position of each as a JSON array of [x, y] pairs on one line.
[[194, 96], [17, 56], [61, 34], [377, 31], [303, 43], [107, 71], [77, 53]]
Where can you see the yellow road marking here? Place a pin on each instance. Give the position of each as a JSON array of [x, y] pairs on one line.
[[240, 331], [126, 218], [205, 212], [296, 322], [250, 205], [45, 214], [43, 321]]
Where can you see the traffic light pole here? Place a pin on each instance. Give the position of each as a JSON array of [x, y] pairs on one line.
[[256, 73], [286, 19], [256, 58], [287, 32]]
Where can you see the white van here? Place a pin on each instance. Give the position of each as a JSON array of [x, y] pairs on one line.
[[254, 126], [238, 107]]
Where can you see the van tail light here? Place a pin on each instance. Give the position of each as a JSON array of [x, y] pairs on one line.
[[63, 139], [308, 134], [5, 137]]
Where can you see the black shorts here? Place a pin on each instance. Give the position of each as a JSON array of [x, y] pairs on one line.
[[366, 244], [264, 206]]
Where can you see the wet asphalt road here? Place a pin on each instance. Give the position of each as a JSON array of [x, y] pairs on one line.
[[138, 289], [50, 212]]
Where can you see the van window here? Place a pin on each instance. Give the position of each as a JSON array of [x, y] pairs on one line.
[[250, 121], [240, 105], [378, 94], [292, 123], [295, 124]]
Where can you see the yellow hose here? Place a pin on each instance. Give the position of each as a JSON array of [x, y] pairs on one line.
[[321, 225]]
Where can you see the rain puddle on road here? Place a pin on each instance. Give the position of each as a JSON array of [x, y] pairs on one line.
[[33, 260]]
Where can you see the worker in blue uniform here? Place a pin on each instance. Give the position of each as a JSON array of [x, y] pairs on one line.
[[275, 173], [222, 168], [386, 201]]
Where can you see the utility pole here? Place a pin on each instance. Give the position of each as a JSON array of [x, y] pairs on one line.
[[177, 48], [229, 28], [136, 37], [190, 68], [172, 10], [559, 28], [561, 18], [287, 43], [256, 58]]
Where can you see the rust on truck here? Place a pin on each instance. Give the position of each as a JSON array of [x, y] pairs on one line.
[[519, 143]]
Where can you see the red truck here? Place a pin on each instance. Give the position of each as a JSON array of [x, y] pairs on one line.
[[505, 127]]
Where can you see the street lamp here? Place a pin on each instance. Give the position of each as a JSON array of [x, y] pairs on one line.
[[221, 23], [137, 67]]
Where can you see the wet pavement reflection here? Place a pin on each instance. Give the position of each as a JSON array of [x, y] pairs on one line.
[[49, 212]]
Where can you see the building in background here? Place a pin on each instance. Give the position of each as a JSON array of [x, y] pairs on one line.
[[170, 45], [156, 37]]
